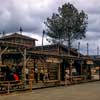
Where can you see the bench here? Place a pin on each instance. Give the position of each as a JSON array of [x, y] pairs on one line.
[[56, 82], [77, 79]]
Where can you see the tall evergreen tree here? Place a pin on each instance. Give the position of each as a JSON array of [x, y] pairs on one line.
[[68, 24]]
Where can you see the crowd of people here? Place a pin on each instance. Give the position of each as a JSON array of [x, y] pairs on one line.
[[11, 73], [37, 74], [14, 72]]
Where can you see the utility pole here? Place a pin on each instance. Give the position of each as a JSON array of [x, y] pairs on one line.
[[87, 49], [21, 30], [97, 50], [3, 33], [78, 49], [43, 33]]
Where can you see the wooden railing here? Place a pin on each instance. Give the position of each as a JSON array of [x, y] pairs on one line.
[[8, 85]]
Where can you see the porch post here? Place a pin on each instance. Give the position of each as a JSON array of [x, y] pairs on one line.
[[99, 72], [0, 57], [24, 64], [70, 69], [59, 72], [2, 52]]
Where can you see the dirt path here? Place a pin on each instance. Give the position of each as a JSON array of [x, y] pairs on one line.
[[88, 91]]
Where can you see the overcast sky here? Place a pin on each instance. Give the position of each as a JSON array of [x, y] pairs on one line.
[[31, 14]]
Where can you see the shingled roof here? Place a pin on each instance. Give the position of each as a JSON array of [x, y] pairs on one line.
[[18, 35], [56, 46]]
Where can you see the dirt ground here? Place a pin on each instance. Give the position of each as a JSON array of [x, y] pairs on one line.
[[87, 91]]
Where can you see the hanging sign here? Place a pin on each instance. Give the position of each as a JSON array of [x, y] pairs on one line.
[[89, 62], [54, 60]]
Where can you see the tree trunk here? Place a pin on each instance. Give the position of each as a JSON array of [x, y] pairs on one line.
[[69, 46]]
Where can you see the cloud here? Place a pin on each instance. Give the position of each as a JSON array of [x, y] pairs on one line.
[[39, 37], [31, 14]]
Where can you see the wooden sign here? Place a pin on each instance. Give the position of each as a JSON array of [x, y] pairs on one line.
[[54, 60], [89, 62]]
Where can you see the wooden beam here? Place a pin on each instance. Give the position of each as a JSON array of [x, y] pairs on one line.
[[0, 57], [27, 59], [2, 51], [99, 72], [81, 67], [59, 78], [71, 62], [24, 64], [21, 52]]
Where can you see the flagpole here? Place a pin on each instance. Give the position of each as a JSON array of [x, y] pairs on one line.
[[43, 38], [21, 30]]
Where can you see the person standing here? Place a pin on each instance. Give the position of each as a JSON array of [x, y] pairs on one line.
[[42, 74], [31, 75], [45, 74], [19, 71], [36, 75], [27, 73], [67, 76], [16, 78]]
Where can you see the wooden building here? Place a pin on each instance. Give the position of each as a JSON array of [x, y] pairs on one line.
[[19, 38], [13, 49], [19, 49], [10, 42], [56, 58]]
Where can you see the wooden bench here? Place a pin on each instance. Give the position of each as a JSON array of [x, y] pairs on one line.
[[77, 79], [56, 82]]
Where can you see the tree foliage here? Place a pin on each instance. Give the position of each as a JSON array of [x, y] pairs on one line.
[[68, 24]]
